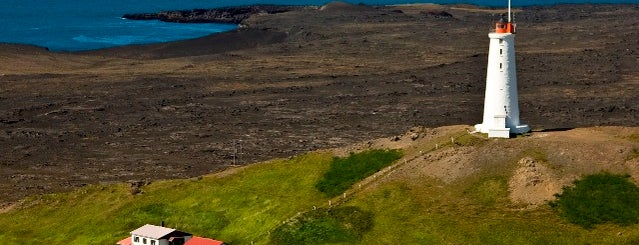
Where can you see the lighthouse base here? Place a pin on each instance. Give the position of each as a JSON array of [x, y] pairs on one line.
[[498, 128], [501, 132]]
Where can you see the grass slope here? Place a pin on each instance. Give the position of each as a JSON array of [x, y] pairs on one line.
[[238, 208]]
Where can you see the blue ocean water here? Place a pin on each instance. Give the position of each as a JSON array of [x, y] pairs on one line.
[[65, 25]]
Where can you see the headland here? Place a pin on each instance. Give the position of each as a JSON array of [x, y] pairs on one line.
[[291, 82]]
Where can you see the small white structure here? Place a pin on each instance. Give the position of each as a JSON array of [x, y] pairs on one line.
[[158, 235], [501, 103]]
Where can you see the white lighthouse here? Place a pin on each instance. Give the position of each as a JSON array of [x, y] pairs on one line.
[[501, 104]]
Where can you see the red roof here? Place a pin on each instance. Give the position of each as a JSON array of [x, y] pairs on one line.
[[202, 241], [125, 241]]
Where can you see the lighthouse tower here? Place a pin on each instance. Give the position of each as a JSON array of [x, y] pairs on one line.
[[501, 104]]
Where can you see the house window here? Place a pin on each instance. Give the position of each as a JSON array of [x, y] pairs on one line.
[[144, 240], [136, 238], [152, 242]]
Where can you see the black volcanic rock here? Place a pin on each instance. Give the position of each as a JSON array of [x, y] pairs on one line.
[[228, 15], [438, 14]]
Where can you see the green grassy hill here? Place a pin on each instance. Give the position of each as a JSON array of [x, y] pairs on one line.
[[238, 207], [449, 187]]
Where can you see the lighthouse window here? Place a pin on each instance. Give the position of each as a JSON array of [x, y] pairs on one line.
[[500, 65], [501, 51], [501, 41]]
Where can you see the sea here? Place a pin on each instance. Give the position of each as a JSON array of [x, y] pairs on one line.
[[70, 25]]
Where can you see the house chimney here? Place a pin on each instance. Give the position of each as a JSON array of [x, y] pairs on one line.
[[162, 224]]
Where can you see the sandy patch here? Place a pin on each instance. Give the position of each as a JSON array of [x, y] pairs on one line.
[[533, 183]]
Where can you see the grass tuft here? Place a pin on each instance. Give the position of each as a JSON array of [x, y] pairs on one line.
[[344, 172], [633, 154], [599, 198], [470, 140], [633, 137], [536, 154], [489, 191], [340, 225]]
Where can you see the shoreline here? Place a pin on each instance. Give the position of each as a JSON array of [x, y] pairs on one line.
[[237, 15]]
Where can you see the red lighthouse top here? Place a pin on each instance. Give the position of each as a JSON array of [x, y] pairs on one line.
[[505, 25]]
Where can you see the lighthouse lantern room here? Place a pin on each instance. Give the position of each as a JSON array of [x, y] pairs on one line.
[[501, 103]]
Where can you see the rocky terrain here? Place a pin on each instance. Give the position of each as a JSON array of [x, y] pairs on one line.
[[296, 81], [229, 15]]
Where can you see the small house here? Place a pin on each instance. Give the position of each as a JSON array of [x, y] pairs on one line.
[[159, 235]]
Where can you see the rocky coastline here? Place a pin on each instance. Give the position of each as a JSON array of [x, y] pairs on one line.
[[225, 15]]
